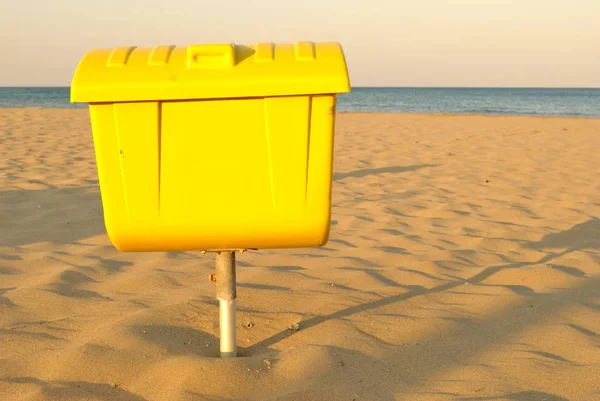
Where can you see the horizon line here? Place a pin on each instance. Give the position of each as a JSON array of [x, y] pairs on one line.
[[373, 87]]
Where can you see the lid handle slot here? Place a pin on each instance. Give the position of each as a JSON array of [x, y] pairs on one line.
[[211, 56]]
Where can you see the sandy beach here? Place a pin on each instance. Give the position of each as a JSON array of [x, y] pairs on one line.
[[463, 264]]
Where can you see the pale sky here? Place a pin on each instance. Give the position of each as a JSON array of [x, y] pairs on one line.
[[529, 43]]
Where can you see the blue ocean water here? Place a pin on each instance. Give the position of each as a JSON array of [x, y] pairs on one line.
[[502, 101], [36, 97]]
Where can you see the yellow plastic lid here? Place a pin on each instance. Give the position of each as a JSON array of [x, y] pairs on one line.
[[210, 71]]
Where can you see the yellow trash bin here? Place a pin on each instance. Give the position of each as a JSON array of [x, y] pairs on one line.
[[215, 146]]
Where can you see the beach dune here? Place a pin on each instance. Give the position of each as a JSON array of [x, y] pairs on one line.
[[463, 264]]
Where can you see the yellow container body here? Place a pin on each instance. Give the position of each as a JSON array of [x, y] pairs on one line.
[[184, 170]]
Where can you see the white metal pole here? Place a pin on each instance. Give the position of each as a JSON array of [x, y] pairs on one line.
[[227, 326], [226, 294]]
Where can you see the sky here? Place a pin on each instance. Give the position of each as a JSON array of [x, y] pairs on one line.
[[430, 43]]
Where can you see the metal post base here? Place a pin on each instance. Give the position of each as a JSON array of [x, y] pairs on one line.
[[226, 294], [227, 328]]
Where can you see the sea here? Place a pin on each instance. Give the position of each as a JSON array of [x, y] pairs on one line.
[[493, 101]]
